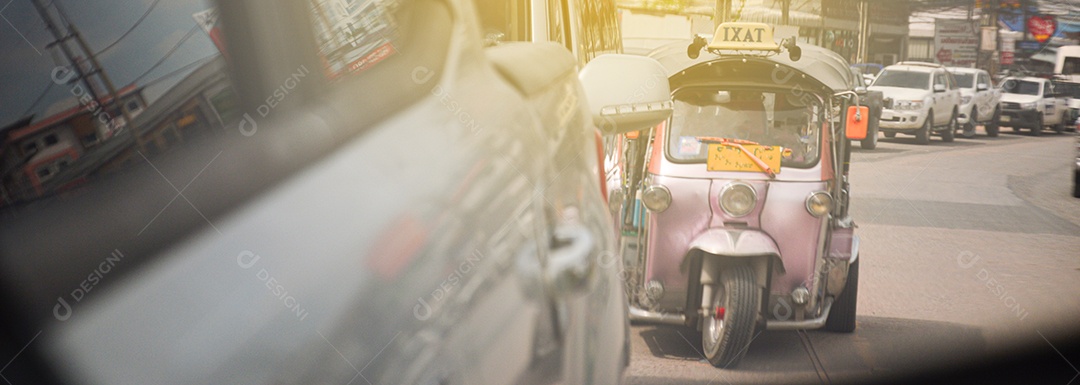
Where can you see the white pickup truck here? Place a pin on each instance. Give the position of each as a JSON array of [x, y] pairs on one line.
[[1030, 102], [979, 101]]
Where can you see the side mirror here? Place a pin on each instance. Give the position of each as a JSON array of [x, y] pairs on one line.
[[858, 119], [939, 88], [860, 90], [982, 87], [626, 92]]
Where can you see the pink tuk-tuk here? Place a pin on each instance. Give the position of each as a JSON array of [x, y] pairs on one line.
[[734, 212]]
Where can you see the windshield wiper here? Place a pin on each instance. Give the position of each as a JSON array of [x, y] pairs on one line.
[[738, 143]]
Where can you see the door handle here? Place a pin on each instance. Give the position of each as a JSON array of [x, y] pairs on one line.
[[570, 267]]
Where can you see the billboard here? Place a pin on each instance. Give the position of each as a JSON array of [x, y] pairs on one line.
[[956, 42]]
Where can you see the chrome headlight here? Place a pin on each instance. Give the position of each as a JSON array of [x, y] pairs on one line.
[[738, 199], [909, 105], [656, 198], [965, 100], [819, 204], [1027, 106]]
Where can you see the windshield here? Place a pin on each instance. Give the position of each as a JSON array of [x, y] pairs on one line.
[[768, 118], [904, 79], [964, 80], [1071, 90], [1021, 87]]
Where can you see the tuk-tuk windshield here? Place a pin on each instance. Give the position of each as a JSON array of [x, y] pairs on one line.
[[786, 119]]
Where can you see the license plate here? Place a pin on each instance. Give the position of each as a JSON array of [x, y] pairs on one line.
[[1005, 118], [730, 158]]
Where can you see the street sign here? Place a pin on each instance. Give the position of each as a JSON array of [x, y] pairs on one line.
[[956, 41]]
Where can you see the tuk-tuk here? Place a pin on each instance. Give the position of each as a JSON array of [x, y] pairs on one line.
[[734, 212]]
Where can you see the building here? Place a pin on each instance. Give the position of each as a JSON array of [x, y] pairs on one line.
[[34, 151]]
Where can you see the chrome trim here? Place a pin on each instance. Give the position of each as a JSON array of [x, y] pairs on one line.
[[728, 187], [815, 323], [832, 203], [639, 314]]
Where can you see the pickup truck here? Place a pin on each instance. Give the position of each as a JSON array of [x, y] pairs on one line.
[[979, 101], [1030, 102]]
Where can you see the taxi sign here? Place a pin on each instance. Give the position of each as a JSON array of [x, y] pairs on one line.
[[730, 158], [744, 36]]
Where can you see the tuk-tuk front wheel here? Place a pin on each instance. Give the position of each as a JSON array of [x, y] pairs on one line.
[[726, 333], [842, 316]]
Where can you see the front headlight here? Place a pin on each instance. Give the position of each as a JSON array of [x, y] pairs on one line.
[[909, 105], [1027, 106], [738, 199], [656, 198], [819, 204], [965, 100]]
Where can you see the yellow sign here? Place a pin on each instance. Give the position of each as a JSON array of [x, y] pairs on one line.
[[731, 158], [744, 36]]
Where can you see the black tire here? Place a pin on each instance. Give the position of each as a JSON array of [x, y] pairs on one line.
[[1037, 130], [969, 130], [922, 134], [724, 342], [842, 316], [950, 131], [870, 142], [994, 125], [1076, 184], [890, 134], [1060, 127]]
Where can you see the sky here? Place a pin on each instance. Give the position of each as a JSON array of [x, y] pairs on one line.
[[26, 64]]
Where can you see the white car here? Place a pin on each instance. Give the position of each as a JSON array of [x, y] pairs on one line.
[[1032, 103], [979, 102], [920, 98]]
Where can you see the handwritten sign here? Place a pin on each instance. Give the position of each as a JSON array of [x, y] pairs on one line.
[[731, 158]]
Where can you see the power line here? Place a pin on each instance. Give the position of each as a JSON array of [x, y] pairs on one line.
[[167, 54], [137, 22], [38, 99], [179, 70]]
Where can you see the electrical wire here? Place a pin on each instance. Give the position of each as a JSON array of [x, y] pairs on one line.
[[133, 26], [179, 70], [167, 54], [38, 99]]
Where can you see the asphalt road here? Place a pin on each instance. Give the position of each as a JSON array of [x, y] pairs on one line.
[[970, 250]]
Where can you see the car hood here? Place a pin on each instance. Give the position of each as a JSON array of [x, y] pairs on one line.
[[900, 93], [967, 92], [1019, 98]]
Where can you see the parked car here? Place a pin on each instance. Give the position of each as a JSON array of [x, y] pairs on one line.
[[1032, 103], [874, 100], [1076, 170], [980, 101], [920, 99], [432, 213], [1071, 92]]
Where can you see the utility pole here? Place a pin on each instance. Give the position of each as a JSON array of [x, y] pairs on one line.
[[96, 69], [721, 13]]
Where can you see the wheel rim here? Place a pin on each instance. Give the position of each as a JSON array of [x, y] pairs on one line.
[[714, 328]]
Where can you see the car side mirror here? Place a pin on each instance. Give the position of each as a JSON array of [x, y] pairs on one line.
[[858, 119], [626, 92], [939, 88], [981, 87]]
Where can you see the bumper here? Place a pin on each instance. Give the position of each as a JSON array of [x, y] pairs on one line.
[[967, 112], [902, 120], [1019, 118]]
